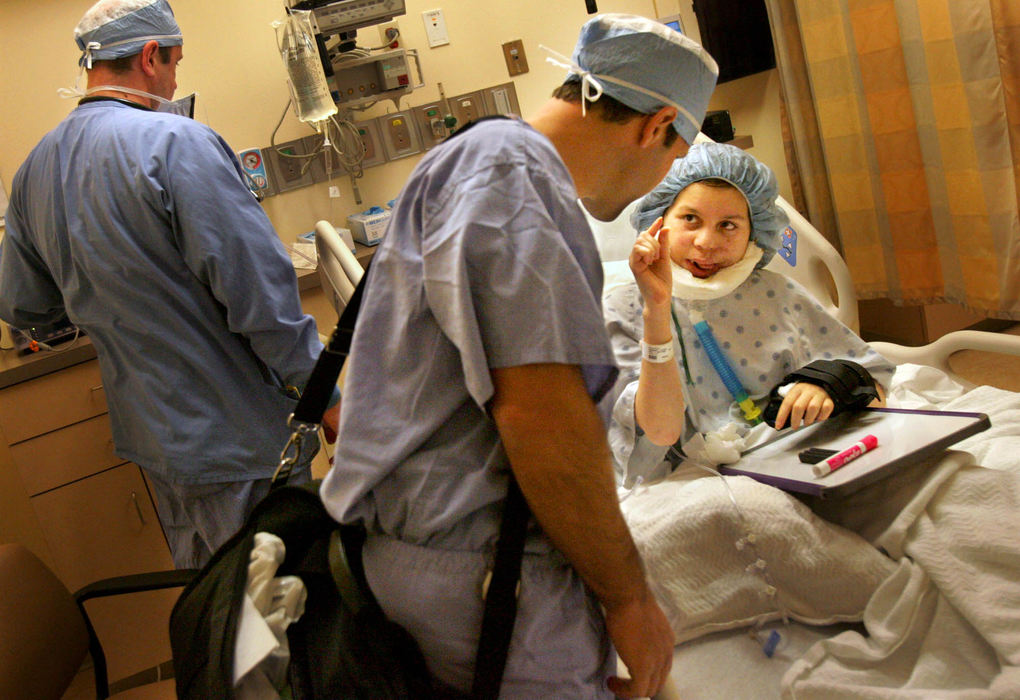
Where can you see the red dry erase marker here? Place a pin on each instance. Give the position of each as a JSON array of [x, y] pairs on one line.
[[866, 444]]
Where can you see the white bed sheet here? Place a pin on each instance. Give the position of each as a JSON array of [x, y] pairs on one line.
[[732, 665]]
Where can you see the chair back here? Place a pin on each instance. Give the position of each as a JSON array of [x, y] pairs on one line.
[[43, 639]]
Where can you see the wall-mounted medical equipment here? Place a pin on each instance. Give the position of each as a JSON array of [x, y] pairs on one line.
[[357, 145], [336, 16], [369, 78]]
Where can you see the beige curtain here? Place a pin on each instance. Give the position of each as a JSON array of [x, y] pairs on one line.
[[902, 127]]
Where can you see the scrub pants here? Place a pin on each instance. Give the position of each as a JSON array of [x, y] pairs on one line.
[[198, 518], [559, 648]]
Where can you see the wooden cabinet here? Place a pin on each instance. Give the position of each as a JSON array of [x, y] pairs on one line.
[[94, 510]]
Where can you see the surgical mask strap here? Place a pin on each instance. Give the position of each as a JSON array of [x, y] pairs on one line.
[[592, 88], [78, 92], [91, 46]]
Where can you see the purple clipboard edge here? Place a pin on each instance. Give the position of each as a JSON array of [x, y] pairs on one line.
[[981, 423]]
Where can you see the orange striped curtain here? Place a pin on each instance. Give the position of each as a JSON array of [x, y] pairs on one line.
[[902, 127]]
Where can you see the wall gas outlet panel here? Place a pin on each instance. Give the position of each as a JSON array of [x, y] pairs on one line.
[[317, 169], [435, 28], [467, 107], [383, 76], [431, 124], [374, 153], [502, 99], [289, 173], [399, 135]]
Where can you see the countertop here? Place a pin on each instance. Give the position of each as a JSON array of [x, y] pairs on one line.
[[15, 368]]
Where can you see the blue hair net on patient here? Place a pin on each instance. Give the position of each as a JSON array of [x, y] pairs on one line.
[[705, 161]]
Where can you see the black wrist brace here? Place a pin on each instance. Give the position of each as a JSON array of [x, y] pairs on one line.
[[847, 383]]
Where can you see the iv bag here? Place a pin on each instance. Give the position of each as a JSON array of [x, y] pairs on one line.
[[308, 86]]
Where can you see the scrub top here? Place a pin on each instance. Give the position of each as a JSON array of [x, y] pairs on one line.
[[137, 225], [488, 262]]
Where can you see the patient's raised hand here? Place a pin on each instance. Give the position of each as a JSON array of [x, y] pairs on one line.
[[649, 262]]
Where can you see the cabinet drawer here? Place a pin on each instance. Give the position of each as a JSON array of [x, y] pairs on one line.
[[104, 526], [62, 456], [41, 405]]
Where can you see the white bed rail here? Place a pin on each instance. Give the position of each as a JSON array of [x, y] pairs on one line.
[[937, 353]]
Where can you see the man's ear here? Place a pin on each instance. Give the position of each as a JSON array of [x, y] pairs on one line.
[[149, 57], [656, 125]]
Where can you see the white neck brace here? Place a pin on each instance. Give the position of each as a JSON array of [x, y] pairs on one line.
[[687, 286]]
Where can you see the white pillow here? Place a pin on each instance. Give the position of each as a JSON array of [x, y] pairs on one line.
[[687, 526]]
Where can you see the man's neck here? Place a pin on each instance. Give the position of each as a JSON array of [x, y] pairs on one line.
[[562, 123], [113, 81], [585, 143]]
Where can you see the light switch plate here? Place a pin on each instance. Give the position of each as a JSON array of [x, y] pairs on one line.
[[516, 60]]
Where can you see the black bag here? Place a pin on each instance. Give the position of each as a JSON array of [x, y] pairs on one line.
[[343, 646]]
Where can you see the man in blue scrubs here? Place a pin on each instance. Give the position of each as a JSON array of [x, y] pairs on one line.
[[136, 224], [480, 351]]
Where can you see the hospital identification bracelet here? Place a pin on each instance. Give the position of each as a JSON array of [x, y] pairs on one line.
[[657, 353]]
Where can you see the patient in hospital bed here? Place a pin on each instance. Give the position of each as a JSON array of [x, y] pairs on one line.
[[710, 343], [928, 559]]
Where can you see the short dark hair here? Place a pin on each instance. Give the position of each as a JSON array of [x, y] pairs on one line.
[[717, 182], [607, 108], [123, 64]]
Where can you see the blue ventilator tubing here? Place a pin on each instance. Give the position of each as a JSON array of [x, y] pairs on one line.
[[722, 366]]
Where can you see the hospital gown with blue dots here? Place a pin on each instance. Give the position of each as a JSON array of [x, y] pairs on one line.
[[767, 327]]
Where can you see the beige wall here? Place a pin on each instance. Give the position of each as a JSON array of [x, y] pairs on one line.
[[753, 103], [231, 61]]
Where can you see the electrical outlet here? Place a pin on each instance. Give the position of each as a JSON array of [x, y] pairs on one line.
[[399, 135], [389, 35], [467, 107], [289, 173]]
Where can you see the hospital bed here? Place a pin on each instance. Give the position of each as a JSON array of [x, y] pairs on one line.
[[723, 654]]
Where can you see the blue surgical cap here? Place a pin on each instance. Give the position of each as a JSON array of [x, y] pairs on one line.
[[706, 161], [115, 28], [656, 66]]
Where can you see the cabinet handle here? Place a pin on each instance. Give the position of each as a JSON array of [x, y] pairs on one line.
[[138, 508], [96, 388]]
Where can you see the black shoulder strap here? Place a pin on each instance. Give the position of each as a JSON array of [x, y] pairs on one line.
[[319, 389], [501, 598]]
